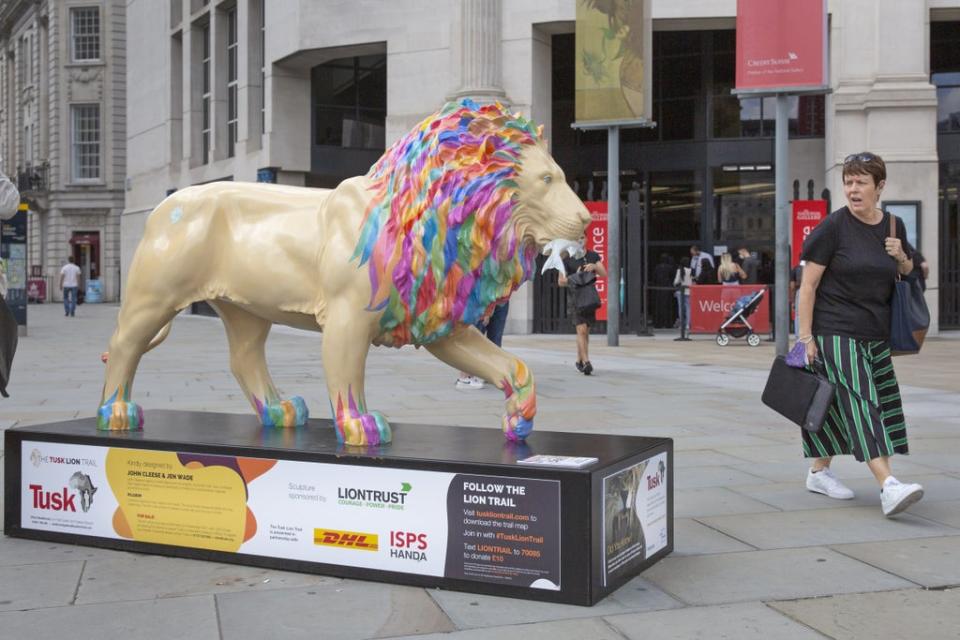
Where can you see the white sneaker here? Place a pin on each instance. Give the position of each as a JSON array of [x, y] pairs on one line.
[[825, 482], [896, 496], [469, 382]]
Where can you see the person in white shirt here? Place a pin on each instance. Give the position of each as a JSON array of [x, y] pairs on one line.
[[9, 203], [696, 260], [69, 284]]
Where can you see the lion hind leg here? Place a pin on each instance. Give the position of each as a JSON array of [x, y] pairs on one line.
[[247, 336], [468, 350]]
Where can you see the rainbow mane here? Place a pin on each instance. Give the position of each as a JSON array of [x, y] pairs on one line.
[[438, 235]]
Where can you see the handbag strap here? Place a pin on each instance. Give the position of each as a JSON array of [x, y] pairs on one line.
[[893, 234]]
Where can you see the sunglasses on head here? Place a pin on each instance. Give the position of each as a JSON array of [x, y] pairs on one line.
[[859, 157]]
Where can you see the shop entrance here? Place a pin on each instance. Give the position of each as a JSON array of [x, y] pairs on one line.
[[85, 248], [949, 258]]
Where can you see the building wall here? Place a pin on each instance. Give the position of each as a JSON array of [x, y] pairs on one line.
[[881, 98], [36, 129]]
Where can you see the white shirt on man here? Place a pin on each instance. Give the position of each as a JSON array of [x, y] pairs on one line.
[[696, 262], [71, 275]]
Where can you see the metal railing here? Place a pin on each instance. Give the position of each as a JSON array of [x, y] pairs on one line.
[[33, 178]]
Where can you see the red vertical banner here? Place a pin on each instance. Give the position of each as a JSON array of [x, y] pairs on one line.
[[781, 44], [596, 240], [807, 214]]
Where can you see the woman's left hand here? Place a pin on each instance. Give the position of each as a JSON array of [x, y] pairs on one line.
[[895, 249]]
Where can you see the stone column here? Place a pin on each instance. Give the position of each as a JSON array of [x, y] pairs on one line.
[[480, 52], [883, 102]]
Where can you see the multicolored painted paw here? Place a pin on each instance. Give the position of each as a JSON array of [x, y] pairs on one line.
[[516, 428], [283, 413], [521, 399], [365, 429], [119, 415]]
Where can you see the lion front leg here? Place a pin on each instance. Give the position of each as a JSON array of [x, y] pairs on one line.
[[468, 350], [346, 343]]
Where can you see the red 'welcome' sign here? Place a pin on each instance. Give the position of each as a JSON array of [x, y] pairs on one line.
[[596, 240], [781, 44], [711, 304]]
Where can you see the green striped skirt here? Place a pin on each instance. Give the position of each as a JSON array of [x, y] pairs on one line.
[[866, 418]]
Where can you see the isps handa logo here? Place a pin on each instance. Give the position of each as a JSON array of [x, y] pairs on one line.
[[64, 499], [408, 545], [346, 539]]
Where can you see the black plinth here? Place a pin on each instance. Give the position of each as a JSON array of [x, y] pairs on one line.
[[447, 507]]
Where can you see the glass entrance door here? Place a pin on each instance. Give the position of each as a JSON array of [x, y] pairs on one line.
[[949, 258]]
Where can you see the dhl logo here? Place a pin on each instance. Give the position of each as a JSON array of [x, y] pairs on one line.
[[349, 539]]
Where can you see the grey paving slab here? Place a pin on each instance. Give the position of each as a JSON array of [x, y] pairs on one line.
[[753, 621], [347, 611], [704, 458], [192, 618], [698, 477], [931, 562], [914, 614], [767, 575], [713, 501], [793, 495], [693, 539], [142, 577], [588, 628], [16, 551], [783, 530], [946, 512], [38, 585], [472, 611]]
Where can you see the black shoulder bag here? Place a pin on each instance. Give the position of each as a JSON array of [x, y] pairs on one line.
[[583, 287], [909, 316]]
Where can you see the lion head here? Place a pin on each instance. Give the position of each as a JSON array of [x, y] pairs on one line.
[[460, 208]]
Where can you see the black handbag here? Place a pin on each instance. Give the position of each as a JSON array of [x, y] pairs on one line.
[[800, 395], [585, 296], [909, 316]]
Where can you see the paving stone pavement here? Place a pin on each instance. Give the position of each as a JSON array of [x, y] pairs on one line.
[[757, 556]]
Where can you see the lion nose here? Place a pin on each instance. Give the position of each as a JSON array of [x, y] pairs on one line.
[[585, 216]]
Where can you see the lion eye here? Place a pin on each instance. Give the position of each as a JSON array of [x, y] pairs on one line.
[[548, 178]]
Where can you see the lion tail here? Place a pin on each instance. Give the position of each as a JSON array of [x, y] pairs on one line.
[[157, 339]]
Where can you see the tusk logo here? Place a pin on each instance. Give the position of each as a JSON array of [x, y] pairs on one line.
[[36, 458], [81, 483]]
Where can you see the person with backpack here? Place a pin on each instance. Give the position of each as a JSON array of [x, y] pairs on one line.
[[583, 316]]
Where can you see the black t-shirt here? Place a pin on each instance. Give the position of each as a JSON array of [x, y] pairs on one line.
[[853, 298], [572, 265]]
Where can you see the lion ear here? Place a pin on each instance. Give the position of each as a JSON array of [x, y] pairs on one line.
[[539, 130]]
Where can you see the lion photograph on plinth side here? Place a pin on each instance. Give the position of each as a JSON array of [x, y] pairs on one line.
[[445, 226]]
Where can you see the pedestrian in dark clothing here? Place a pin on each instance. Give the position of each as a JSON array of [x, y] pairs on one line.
[[663, 307]]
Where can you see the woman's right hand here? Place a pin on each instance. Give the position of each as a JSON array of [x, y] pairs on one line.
[[812, 351]]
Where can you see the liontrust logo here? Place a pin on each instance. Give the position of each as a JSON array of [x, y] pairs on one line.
[[374, 498]]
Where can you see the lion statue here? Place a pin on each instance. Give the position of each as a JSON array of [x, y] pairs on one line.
[[445, 226]]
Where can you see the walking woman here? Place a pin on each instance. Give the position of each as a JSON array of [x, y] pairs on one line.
[[851, 265], [583, 320]]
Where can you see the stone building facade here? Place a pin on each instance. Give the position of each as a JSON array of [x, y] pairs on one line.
[[63, 84], [309, 93]]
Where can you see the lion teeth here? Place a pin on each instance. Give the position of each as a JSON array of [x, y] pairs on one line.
[[554, 250]]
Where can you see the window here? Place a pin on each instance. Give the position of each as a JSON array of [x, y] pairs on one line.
[[86, 141], [350, 102], [232, 52], [85, 33], [263, 66], [22, 70], [206, 101], [945, 73]]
